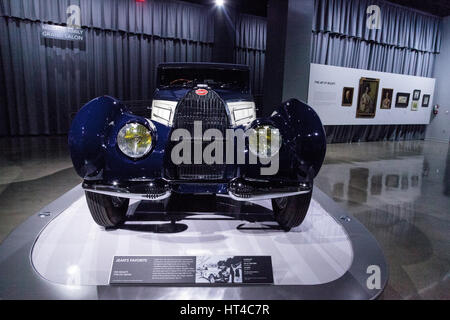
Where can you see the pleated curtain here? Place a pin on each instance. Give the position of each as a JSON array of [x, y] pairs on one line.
[[250, 48], [44, 82]]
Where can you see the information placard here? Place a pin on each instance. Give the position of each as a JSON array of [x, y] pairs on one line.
[[50, 31], [191, 270]]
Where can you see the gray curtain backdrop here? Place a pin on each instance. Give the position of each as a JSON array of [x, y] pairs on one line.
[[339, 50], [407, 43], [364, 133], [251, 48], [164, 18], [44, 82]]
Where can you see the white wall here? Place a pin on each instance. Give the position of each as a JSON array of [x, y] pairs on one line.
[[325, 96], [439, 128]]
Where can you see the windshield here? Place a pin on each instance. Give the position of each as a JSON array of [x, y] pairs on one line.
[[213, 77]]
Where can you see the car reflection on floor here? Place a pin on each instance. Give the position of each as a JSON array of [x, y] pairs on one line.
[[400, 192]]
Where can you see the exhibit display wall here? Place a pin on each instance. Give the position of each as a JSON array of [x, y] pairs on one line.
[[326, 90], [407, 43], [405, 47]]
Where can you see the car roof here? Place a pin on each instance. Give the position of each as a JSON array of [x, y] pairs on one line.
[[204, 65]]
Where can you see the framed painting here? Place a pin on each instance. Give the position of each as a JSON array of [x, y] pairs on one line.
[[367, 97], [386, 98], [347, 96]]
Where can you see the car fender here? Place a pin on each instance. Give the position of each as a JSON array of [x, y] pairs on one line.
[[303, 138], [87, 134], [93, 143]]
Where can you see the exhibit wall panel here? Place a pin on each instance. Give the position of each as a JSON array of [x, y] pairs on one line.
[[326, 85]]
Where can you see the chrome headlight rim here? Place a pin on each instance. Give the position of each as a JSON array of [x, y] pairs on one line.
[[150, 127], [255, 125]]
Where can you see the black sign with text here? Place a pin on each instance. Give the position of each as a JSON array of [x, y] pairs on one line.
[[191, 270]]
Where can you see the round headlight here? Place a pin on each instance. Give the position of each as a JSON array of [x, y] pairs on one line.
[[264, 141], [135, 140]]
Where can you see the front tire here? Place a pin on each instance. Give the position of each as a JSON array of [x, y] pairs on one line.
[[290, 212], [107, 211]]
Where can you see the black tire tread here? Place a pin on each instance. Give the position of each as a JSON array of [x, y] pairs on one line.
[[295, 212], [104, 212]]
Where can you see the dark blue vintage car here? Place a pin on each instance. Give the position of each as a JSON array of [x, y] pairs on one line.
[[200, 136]]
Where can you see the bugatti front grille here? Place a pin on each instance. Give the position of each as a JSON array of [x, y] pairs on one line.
[[210, 110], [200, 172]]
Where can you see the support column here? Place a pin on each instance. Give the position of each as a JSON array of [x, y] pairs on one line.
[[439, 127], [289, 28]]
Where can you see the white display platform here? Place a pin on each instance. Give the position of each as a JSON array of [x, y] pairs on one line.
[[60, 253], [73, 250]]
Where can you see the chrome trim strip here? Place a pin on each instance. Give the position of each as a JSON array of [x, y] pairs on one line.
[[267, 196], [166, 105], [136, 196], [240, 105]]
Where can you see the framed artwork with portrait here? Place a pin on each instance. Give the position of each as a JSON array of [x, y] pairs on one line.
[[416, 95], [402, 100], [425, 100], [386, 98], [367, 97], [392, 181], [347, 96]]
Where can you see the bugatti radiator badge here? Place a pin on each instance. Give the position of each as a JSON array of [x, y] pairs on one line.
[[201, 92]]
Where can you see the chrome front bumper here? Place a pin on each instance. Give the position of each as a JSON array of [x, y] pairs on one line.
[[238, 189]]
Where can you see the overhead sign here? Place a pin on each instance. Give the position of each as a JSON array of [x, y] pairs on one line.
[[50, 31]]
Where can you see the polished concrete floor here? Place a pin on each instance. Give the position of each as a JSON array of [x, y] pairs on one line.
[[399, 190]]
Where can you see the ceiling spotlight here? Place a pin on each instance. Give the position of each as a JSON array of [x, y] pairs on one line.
[[220, 3]]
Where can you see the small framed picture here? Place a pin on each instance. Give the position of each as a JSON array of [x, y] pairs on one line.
[[415, 106], [425, 100], [386, 98], [416, 95], [392, 181], [402, 100], [347, 96]]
